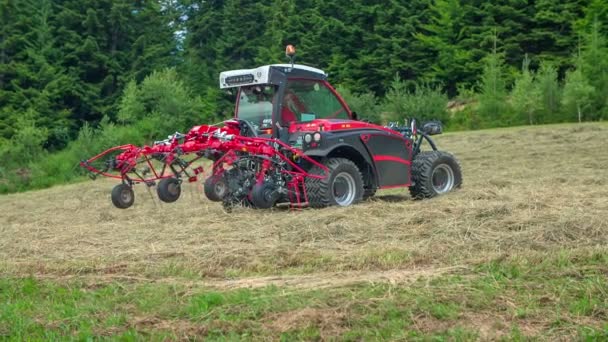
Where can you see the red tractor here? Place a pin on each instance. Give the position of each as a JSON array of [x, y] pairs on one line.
[[293, 140]]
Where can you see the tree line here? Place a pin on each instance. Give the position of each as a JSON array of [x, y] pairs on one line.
[[76, 76]]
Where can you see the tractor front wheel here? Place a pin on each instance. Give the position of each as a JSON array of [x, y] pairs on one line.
[[169, 190], [434, 173], [343, 185], [123, 196]]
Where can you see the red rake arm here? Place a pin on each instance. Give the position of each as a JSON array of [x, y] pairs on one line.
[[225, 145]]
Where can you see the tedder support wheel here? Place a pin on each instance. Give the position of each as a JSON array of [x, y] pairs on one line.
[[343, 185], [215, 188], [434, 173], [264, 196], [123, 196], [169, 190]]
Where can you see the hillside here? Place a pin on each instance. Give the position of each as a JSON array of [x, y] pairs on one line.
[[83, 74], [520, 250]]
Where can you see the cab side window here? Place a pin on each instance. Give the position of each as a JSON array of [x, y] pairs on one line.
[[309, 100]]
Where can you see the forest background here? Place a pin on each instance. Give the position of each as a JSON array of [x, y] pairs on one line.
[[78, 76]]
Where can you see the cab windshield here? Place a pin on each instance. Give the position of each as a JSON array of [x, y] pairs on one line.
[[255, 104], [307, 100]]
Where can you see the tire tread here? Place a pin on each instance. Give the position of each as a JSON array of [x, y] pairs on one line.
[[422, 171], [318, 190]]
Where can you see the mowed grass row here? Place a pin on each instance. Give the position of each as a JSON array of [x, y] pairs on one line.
[[559, 296], [525, 189], [523, 242]]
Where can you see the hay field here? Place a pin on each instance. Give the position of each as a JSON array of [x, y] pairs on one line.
[[534, 199]]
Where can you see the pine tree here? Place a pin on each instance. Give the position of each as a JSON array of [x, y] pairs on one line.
[[493, 107], [282, 22], [444, 36], [106, 43], [596, 11], [551, 36], [547, 86], [524, 95], [12, 31], [36, 84], [594, 65], [506, 19], [578, 93]]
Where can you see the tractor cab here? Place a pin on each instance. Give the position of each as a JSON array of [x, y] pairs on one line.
[[273, 99]]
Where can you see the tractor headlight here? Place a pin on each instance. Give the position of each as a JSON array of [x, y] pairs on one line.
[[316, 137], [308, 138]]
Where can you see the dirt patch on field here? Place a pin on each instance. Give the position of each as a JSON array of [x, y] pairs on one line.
[[182, 329], [492, 326], [488, 325], [330, 322]]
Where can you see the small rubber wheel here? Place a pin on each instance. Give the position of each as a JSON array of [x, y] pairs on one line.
[[215, 188], [264, 196], [122, 196], [434, 173], [169, 189]]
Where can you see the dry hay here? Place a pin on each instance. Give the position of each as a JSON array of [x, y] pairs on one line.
[[525, 190]]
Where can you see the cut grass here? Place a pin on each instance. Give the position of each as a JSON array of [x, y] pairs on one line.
[[518, 252], [561, 296], [526, 189]]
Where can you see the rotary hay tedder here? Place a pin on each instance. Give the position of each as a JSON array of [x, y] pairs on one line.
[[293, 140]]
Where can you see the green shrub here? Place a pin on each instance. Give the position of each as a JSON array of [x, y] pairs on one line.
[[157, 107], [365, 105], [163, 96], [421, 101], [493, 108]]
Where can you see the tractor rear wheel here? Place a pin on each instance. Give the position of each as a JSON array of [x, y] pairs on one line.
[[169, 190], [215, 188], [123, 196], [434, 173], [343, 185]]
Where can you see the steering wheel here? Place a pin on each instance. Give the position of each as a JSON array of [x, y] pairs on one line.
[[247, 128]]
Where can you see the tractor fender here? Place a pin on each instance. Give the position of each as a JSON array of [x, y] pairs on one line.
[[354, 151]]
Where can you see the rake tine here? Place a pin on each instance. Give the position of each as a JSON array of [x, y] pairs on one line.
[[152, 196]]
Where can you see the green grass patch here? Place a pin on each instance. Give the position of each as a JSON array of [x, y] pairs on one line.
[[511, 298]]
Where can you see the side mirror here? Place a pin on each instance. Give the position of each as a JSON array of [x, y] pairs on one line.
[[432, 128], [355, 116]]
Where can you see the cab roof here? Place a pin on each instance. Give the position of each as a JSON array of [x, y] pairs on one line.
[[267, 74]]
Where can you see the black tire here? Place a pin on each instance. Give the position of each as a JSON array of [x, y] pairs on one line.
[[215, 188], [123, 196], [342, 187], [369, 193], [169, 190], [264, 196], [434, 173]]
